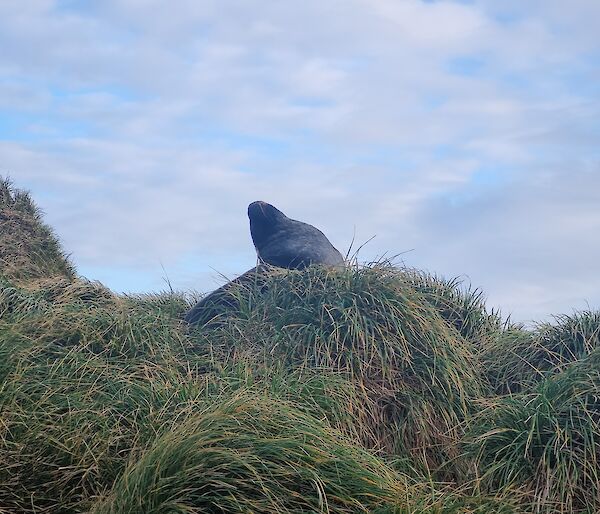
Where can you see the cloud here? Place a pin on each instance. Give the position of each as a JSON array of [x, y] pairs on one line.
[[538, 230], [463, 130]]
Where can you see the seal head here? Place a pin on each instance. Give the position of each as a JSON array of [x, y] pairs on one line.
[[287, 243]]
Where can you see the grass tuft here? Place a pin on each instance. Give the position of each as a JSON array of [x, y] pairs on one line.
[[28, 247], [519, 359], [547, 439], [413, 375], [253, 454]]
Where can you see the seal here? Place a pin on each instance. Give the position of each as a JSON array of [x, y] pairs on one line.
[[222, 299], [287, 243], [279, 241]]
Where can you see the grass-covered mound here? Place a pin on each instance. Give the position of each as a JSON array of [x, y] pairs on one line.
[[78, 391], [254, 454], [548, 439], [411, 376], [94, 386], [356, 390], [518, 360], [28, 247]]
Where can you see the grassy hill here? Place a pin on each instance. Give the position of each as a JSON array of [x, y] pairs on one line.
[[372, 389]]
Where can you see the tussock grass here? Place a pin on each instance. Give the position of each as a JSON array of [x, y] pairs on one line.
[[369, 389], [28, 247], [518, 360], [462, 307], [548, 439], [87, 380], [78, 401], [413, 375], [248, 453], [252, 454]]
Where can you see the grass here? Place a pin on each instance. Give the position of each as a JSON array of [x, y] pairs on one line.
[[412, 376], [370, 389], [252, 454], [78, 393], [547, 438], [28, 247], [518, 359]]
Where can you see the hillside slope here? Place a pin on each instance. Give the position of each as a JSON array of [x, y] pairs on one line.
[[370, 389], [28, 247]]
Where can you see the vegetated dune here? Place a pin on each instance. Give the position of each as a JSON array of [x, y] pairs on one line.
[[370, 389]]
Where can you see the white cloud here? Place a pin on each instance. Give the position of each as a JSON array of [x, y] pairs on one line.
[[145, 130]]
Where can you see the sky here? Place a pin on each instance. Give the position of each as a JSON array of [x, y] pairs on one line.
[[459, 137]]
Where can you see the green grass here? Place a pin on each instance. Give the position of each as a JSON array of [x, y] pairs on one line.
[[412, 376], [28, 247], [252, 453], [79, 392], [547, 438], [462, 307], [519, 359], [370, 389]]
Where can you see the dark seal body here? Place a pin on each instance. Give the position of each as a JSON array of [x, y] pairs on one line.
[[279, 241], [221, 299], [287, 243]]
